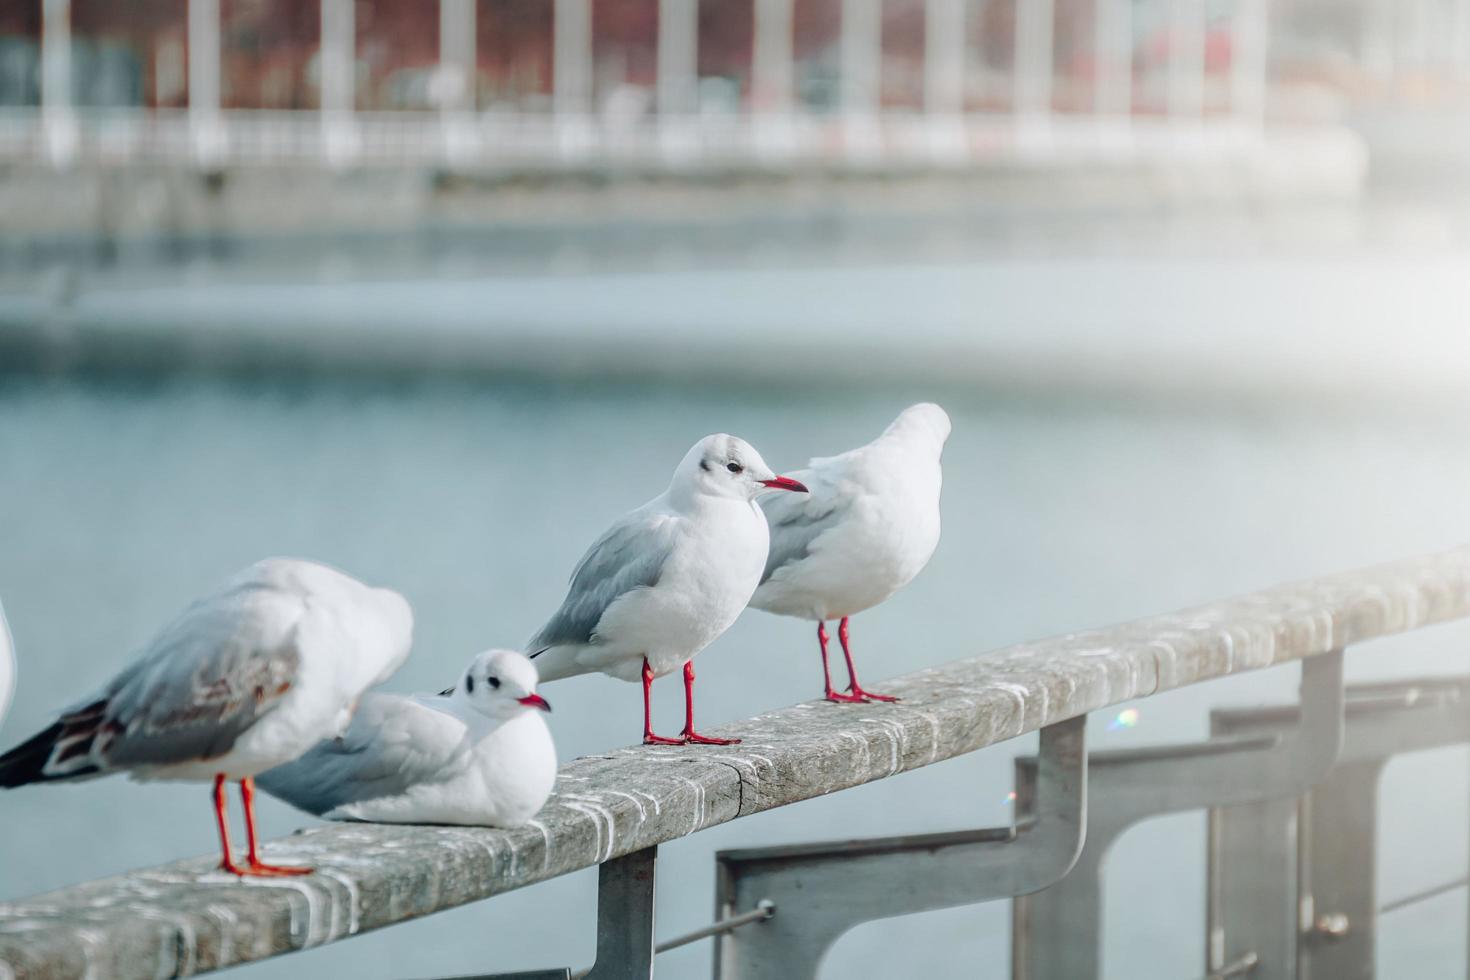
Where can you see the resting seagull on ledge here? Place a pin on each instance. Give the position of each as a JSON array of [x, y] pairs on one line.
[[869, 526], [243, 680], [668, 578], [477, 755]]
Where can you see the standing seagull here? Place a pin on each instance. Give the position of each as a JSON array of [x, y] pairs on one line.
[[243, 680], [869, 526], [479, 755], [667, 578]]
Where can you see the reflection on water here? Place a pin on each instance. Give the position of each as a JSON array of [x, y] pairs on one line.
[[122, 501]]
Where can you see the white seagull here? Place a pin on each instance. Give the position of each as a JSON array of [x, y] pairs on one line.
[[868, 527], [7, 665], [667, 578], [243, 680], [478, 755]]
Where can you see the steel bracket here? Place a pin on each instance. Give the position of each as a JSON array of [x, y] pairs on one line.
[[860, 881], [1056, 934], [1292, 881]]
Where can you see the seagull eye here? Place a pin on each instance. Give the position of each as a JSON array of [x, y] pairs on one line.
[[493, 681], [734, 467]]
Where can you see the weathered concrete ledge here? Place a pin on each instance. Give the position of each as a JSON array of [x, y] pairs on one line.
[[184, 918]]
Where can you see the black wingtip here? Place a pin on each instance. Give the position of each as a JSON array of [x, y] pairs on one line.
[[446, 692], [25, 763], [533, 656]]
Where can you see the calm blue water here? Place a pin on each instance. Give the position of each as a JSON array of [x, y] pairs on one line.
[[120, 501]]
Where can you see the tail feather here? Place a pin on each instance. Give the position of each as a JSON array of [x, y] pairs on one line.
[[62, 751], [25, 763]]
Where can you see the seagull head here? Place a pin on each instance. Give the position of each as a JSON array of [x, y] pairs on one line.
[[501, 684], [727, 466], [926, 421]]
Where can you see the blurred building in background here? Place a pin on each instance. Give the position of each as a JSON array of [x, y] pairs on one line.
[[684, 84]]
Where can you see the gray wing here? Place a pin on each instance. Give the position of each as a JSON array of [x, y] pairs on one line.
[[798, 519], [393, 743], [631, 555], [207, 678]]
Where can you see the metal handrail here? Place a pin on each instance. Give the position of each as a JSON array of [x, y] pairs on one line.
[[183, 917]]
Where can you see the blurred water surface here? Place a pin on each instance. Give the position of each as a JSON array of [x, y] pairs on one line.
[[119, 501], [124, 495]]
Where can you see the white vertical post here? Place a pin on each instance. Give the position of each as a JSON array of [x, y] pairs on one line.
[[678, 41], [339, 80], [1033, 67], [58, 112], [678, 73], [455, 77], [1249, 38], [861, 51], [944, 76], [773, 76], [773, 69], [206, 130], [1113, 45], [1186, 75], [944, 57], [572, 74], [457, 56]]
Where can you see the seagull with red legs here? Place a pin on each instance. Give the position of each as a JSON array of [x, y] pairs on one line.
[[869, 525], [245, 679], [667, 579]]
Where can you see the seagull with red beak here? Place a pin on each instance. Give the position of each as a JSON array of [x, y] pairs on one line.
[[667, 579], [477, 755]]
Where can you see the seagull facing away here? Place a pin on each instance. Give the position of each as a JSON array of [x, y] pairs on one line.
[[477, 755], [245, 679], [667, 578], [869, 526]]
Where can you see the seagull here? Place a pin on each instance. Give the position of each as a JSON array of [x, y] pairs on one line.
[[667, 578], [868, 527], [7, 665], [479, 754], [246, 678]]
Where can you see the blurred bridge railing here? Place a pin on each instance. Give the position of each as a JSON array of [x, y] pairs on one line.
[[1205, 86]]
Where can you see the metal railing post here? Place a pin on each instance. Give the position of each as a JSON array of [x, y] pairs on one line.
[[625, 893]]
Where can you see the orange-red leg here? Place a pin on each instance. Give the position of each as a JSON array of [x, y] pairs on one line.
[[253, 862], [691, 737], [648, 737], [853, 687], [222, 818], [832, 695]]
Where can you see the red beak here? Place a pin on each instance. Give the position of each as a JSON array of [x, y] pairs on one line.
[[785, 483], [535, 701]]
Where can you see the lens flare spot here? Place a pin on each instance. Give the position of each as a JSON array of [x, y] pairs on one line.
[[1127, 718], [1010, 798]]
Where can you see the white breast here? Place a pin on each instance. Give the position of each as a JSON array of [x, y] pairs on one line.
[[706, 583]]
